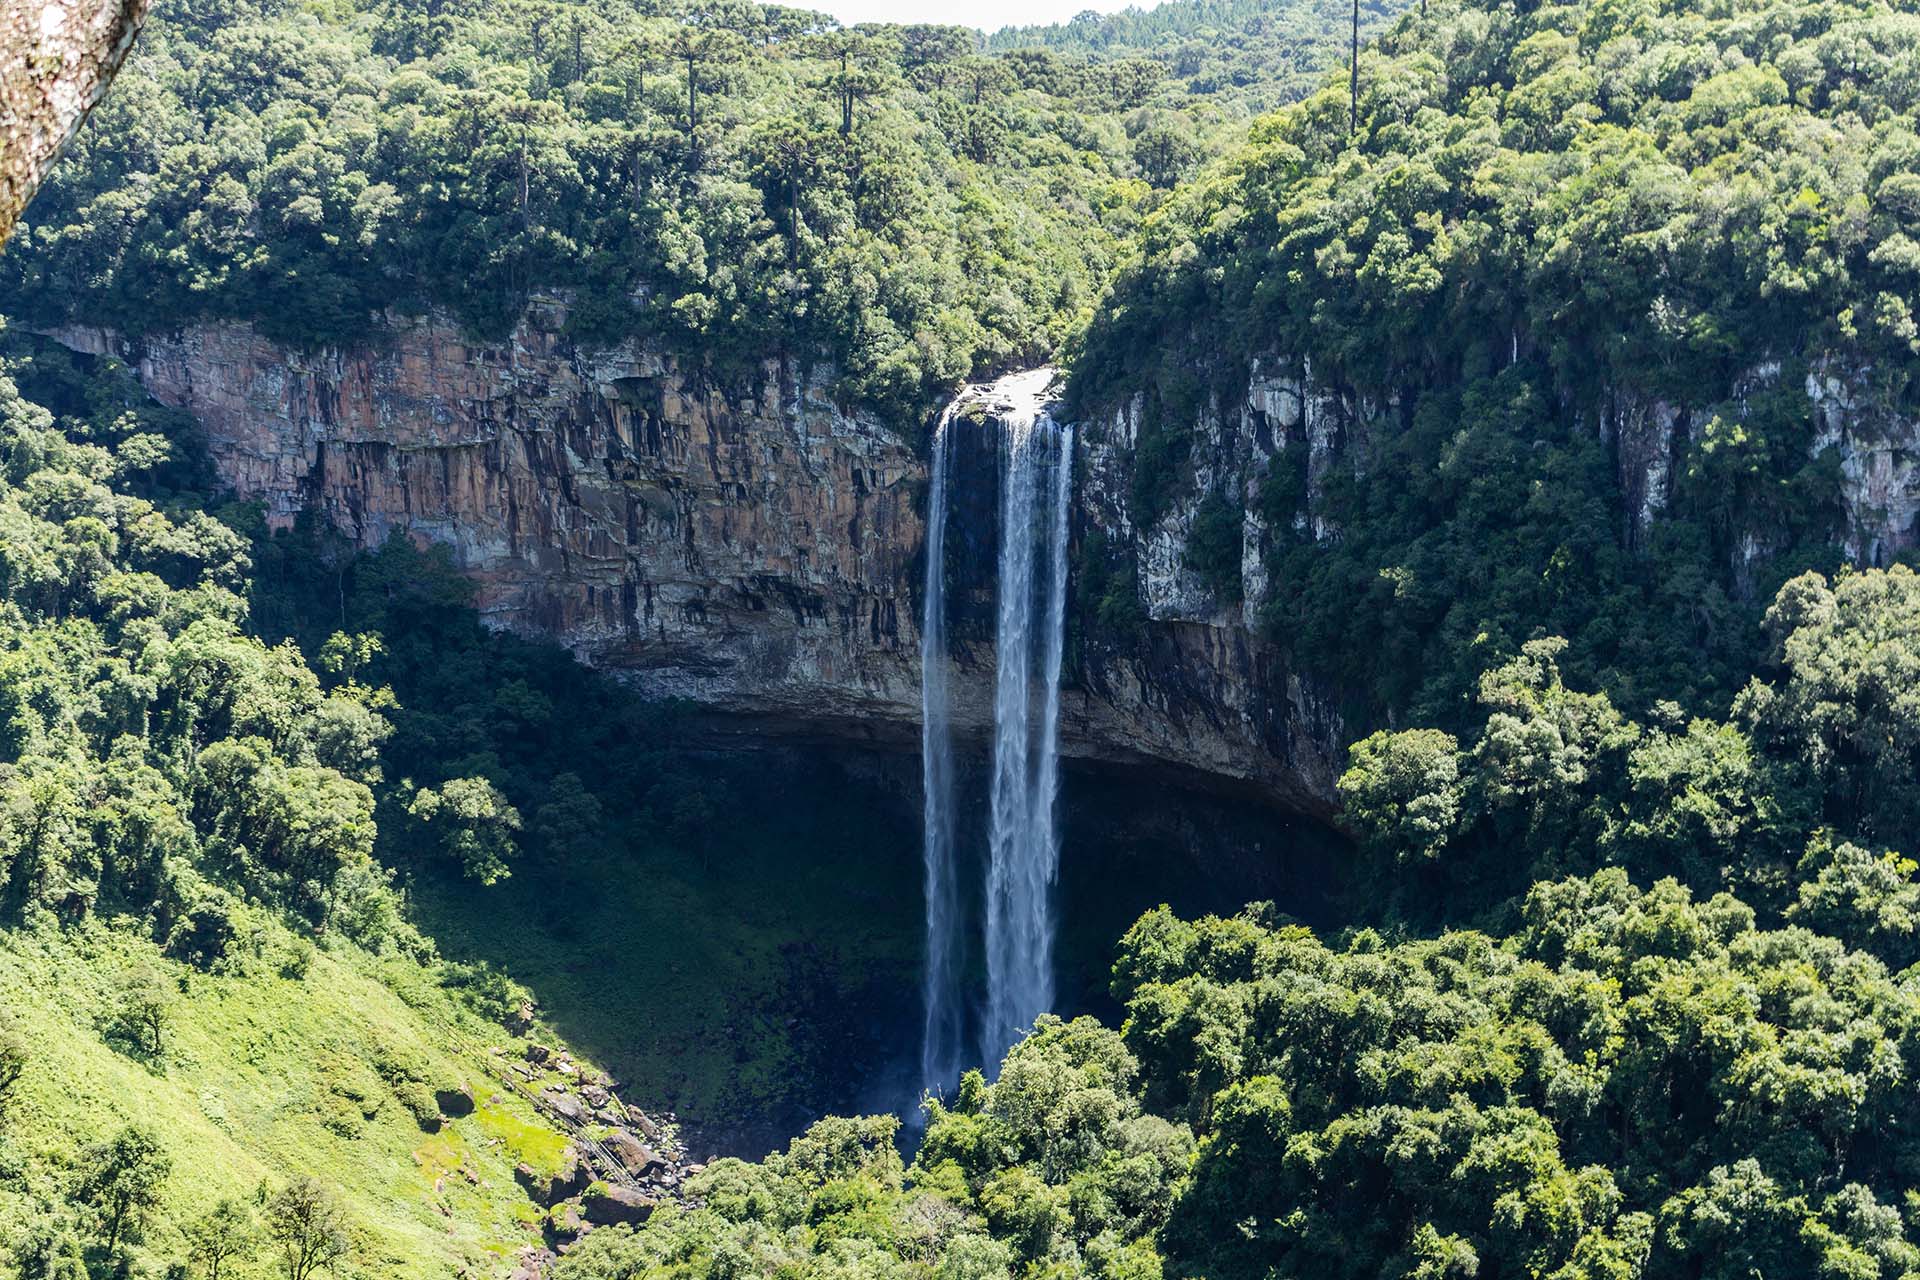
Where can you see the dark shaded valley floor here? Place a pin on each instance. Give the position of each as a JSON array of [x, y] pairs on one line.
[[766, 971]]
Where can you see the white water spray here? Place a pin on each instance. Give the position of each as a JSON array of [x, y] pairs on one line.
[[1023, 848], [940, 1044]]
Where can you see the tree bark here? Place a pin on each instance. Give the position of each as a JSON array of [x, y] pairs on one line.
[[693, 101], [56, 59]]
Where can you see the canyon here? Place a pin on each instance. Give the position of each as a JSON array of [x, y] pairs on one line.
[[754, 547]]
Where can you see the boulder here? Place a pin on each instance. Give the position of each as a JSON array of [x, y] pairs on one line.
[[539, 1188], [608, 1206], [454, 1102], [563, 1104], [566, 1224], [548, 1189], [532, 1264], [575, 1174], [635, 1155]]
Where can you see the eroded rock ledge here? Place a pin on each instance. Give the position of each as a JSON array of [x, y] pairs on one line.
[[756, 552]]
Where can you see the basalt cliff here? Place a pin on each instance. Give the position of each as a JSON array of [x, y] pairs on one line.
[[755, 548]]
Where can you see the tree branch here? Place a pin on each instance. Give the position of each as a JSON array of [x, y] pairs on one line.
[[56, 59]]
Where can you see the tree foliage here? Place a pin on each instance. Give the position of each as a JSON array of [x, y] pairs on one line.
[[121, 1181], [156, 760], [1686, 1050], [730, 180], [306, 1222], [1793, 798], [1568, 246]]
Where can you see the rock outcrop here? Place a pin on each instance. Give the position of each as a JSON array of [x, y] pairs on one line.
[[1289, 415], [606, 1174], [746, 552], [1876, 447], [755, 548], [1879, 452], [752, 549]]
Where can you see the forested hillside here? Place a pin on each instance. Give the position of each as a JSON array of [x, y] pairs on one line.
[[1245, 55], [221, 1039], [1685, 1051], [731, 179], [1558, 234], [1629, 990], [1627, 979]]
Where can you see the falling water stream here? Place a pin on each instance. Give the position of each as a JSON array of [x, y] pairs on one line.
[[1023, 849], [1023, 844], [940, 1043]]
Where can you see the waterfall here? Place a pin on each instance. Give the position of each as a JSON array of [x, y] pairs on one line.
[[1023, 851], [940, 1042], [1023, 846]]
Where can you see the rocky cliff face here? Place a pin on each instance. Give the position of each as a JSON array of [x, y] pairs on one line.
[[1874, 445], [1879, 455], [1875, 449], [754, 550], [747, 552], [1291, 428]]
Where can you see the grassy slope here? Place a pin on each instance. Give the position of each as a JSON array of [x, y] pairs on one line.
[[264, 1077], [744, 976]]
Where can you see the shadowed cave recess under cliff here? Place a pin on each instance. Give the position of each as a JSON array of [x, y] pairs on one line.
[[782, 982]]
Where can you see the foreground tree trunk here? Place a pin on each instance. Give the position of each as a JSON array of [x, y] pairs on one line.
[[56, 60]]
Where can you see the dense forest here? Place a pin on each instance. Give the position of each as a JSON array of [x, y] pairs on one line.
[[730, 179], [1532, 220], [221, 1038], [1254, 54], [1702, 1074], [1628, 979]]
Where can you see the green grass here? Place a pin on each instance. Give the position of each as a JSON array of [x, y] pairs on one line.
[[263, 1077], [761, 972], [526, 1139]]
